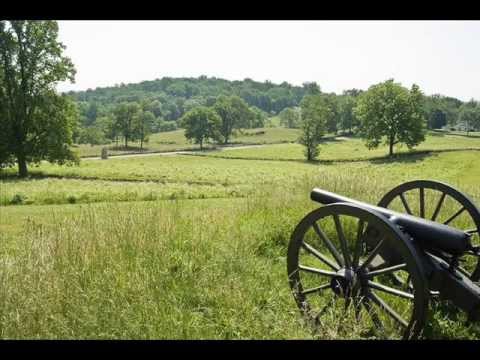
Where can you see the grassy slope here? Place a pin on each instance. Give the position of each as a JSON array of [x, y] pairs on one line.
[[175, 140]]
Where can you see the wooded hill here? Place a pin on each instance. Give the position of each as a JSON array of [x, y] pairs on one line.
[[168, 99], [175, 96]]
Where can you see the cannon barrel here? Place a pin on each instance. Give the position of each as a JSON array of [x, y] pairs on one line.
[[429, 234]]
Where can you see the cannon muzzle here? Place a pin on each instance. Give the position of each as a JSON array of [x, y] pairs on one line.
[[428, 234]]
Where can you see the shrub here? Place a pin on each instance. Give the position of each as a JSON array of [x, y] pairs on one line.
[[72, 199], [18, 199]]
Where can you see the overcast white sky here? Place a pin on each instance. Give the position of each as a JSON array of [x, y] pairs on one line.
[[440, 56]]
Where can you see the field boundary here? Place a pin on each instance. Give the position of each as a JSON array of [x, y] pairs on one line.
[[383, 158], [186, 150]]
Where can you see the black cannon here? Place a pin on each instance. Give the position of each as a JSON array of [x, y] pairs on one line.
[[383, 264]]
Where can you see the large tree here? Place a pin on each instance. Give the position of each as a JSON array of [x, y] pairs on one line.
[[333, 120], [36, 122], [391, 113], [314, 116], [290, 117], [202, 123], [143, 126], [125, 116], [234, 113]]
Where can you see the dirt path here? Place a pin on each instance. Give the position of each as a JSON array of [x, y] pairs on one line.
[[167, 153]]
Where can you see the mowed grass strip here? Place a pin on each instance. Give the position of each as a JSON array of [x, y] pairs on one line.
[[189, 177], [175, 169], [49, 191]]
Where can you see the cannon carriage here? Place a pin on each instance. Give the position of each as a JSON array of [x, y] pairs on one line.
[[383, 264]]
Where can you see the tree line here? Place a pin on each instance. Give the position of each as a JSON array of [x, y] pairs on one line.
[[38, 124], [169, 99]]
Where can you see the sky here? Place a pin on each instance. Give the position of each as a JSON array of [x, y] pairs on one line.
[[442, 57]]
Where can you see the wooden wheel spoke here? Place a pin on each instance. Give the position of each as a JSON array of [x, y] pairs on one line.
[[390, 290], [405, 204], [358, 244], [422, 202], [315, 289], [439, 205], [386, 270], [343, 241], [455, 215], [372, 255], [319, 256], [384, 306], [317, 271], [328, 244]]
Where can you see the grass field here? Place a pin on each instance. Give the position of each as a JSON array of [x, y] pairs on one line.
[[175, 140], [187, 247], [351, 149]]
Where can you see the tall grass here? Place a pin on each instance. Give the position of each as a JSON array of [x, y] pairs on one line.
[[168, 270]]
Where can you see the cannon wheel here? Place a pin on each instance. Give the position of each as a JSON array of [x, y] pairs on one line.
[[462, 203], [330, 266]]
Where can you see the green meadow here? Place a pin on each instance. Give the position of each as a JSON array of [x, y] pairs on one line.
[[193, 247], [176, 141]]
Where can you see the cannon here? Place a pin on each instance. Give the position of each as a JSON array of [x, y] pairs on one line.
[[383, 265]]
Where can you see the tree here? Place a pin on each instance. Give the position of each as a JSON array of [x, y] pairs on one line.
[[469, 116], [315, 114], [163, 126], [201, 124], [91, 113], [391, 112], [334, 118], [109, 127], [125, 114], [92, 135], [311, 88], [347, 117], [36, 122], [259, 117], [437, 119], [143, 125], [234, 114], [290, 118]]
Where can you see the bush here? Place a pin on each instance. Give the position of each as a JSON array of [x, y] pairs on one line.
[[72, 199], [255, 133], [18, 199], [164, 126]]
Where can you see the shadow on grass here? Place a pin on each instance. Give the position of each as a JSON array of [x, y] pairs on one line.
[[438, 133], [127, 148], [470, 136], [39, 175], [406, 157]]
